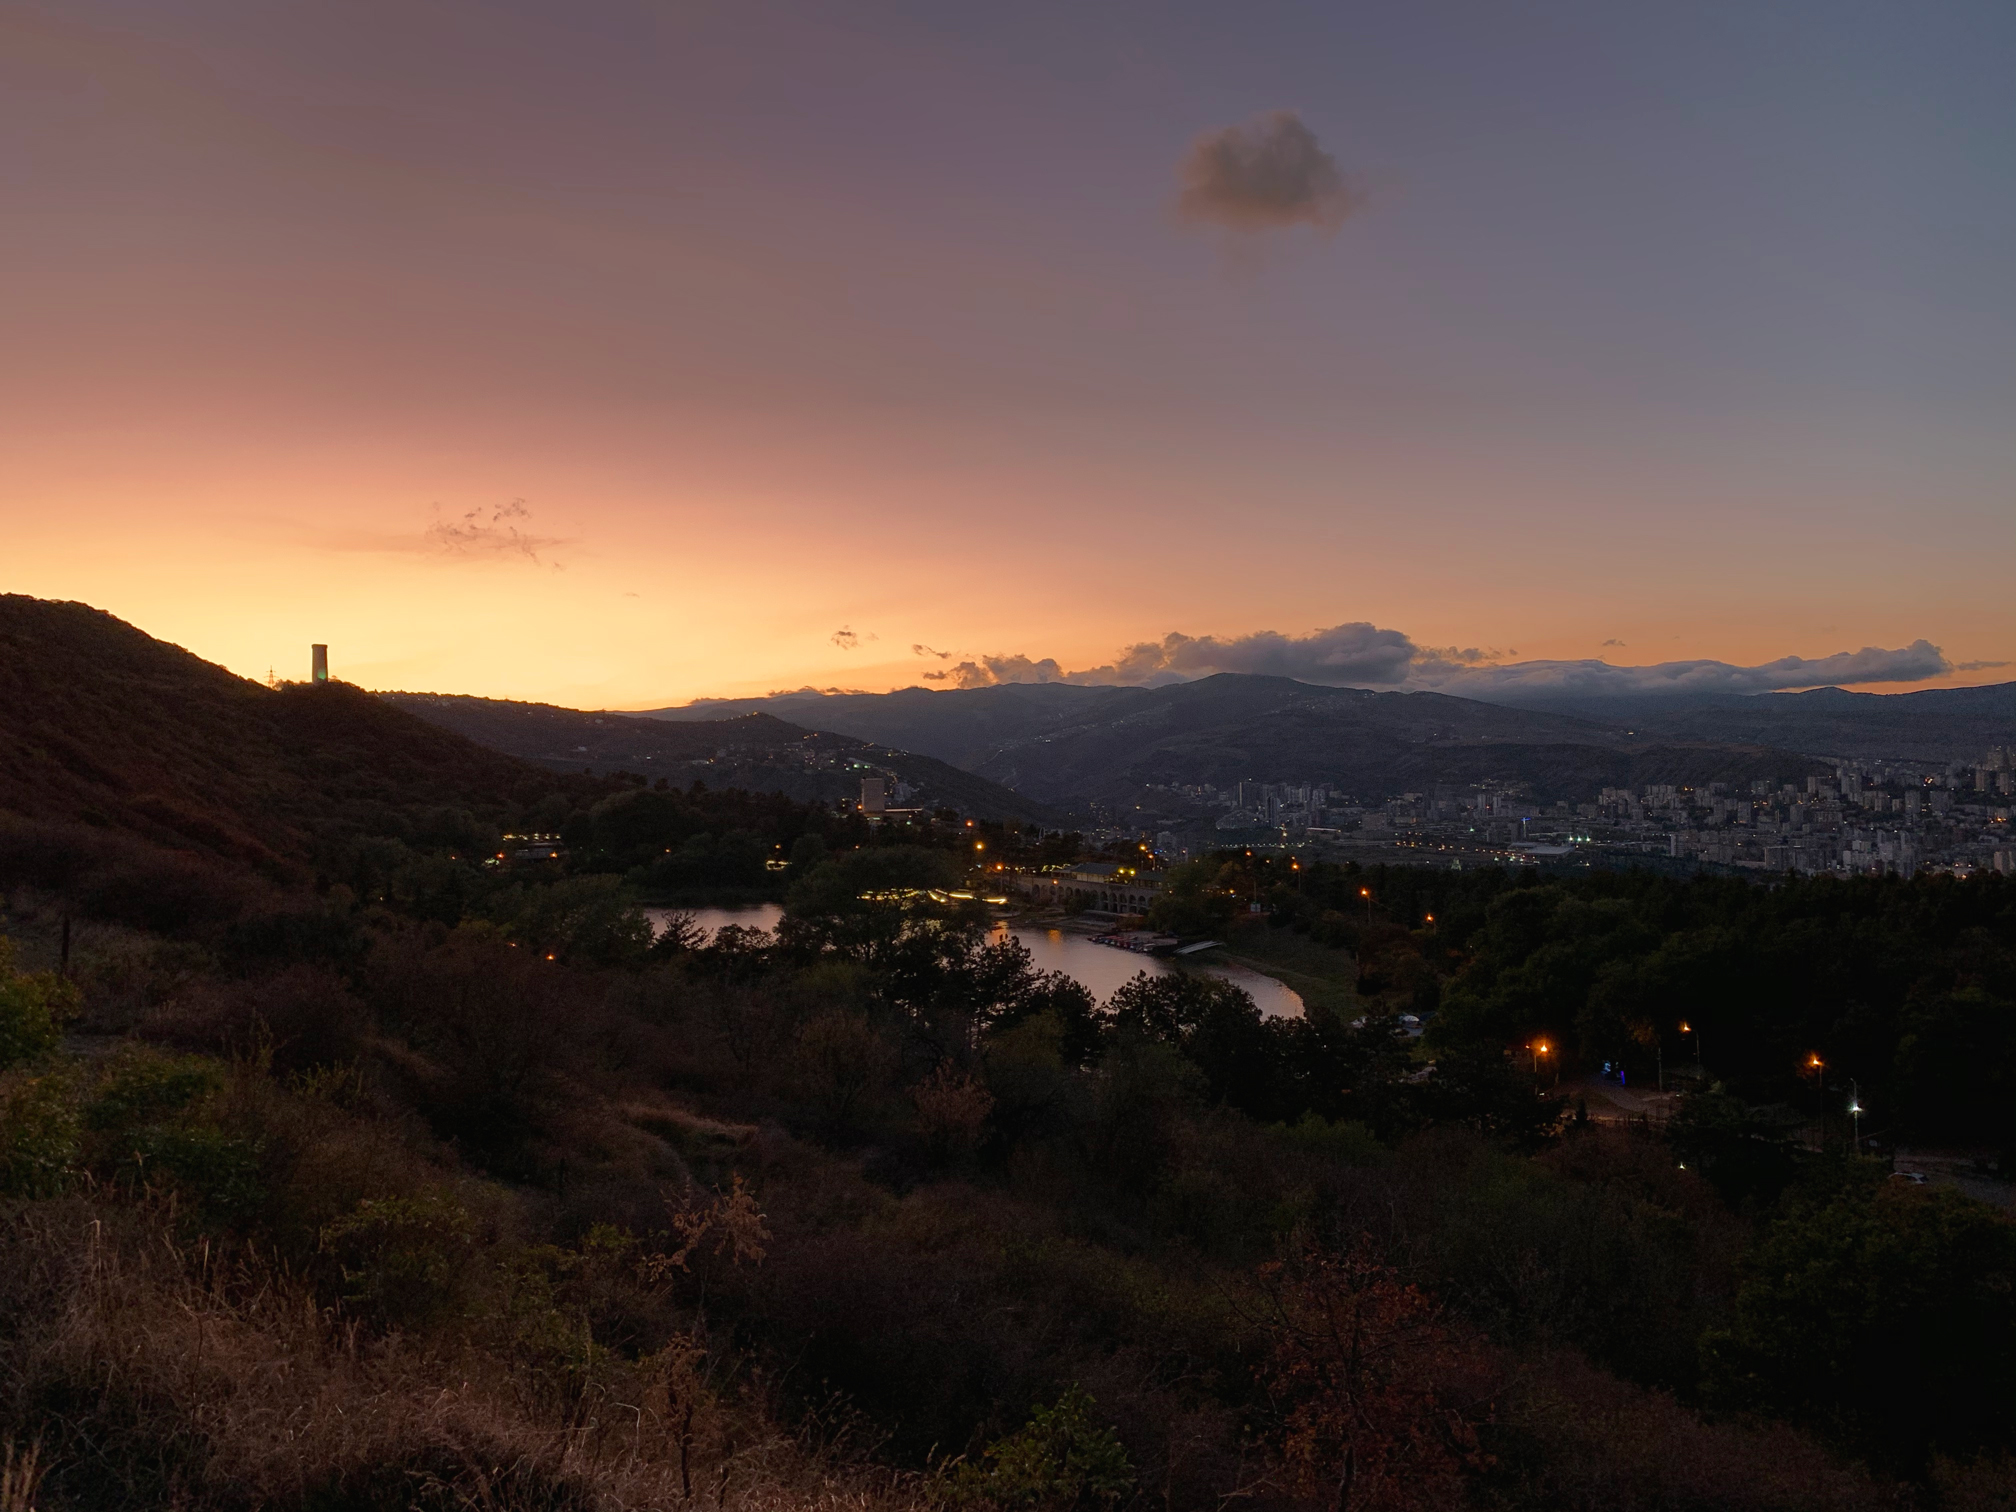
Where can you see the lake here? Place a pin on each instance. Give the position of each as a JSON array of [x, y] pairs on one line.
[[1100, 969]]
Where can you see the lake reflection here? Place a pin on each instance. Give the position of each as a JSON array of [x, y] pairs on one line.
[[1100, 969]]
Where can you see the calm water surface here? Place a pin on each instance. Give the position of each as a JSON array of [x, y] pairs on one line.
[[1100, 969]]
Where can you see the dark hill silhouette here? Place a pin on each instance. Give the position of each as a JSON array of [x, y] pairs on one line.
[[758, 752], [102, 725]]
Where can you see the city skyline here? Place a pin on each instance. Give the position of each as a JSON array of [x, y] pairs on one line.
[[643, 354]]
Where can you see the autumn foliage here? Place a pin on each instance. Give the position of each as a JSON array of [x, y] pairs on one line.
[[1377, 1395]]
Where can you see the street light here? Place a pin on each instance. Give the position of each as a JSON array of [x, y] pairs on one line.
[[1855, 1110], [1366, 894], [1687, 1028], [1820, 1095]]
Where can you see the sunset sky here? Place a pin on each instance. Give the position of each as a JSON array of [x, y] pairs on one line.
[[616, 354]]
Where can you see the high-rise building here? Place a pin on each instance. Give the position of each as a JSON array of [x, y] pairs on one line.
[[873, 797], [318, 664]]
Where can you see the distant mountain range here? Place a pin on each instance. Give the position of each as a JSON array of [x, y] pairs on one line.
[[758, 752], [1067, 745], [1938, 724]]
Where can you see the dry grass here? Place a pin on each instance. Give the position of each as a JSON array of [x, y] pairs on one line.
[[208, 1379], [20, 1476]]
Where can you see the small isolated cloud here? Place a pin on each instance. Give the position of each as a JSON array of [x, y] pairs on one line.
[[1267, 174], [845, 638], [1462, 656], [487, 535], [1613, 643], [1980, 666], [920, 649]]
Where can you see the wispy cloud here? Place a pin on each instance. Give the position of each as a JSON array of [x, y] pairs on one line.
[[499, 533], [488, 534], [1980, 666]]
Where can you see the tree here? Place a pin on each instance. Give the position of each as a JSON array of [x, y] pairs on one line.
[[1882, 1315], [1195, 901], [1375, 1395], [1218, 1028]]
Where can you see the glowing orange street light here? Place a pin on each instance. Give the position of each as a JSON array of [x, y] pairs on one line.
[[1819, 1069]]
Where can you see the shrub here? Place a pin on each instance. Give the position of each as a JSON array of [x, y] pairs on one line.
[[34, 1006], [952, 1111], [151, 1124], [38, 1135], [143, 1087], [405, 1261], [1062, 1460]]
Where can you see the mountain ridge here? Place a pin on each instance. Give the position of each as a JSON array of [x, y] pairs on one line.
[[1066, 744], [758, 752]]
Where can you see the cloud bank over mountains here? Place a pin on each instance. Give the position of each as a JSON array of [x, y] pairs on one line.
[[1364, 655]]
